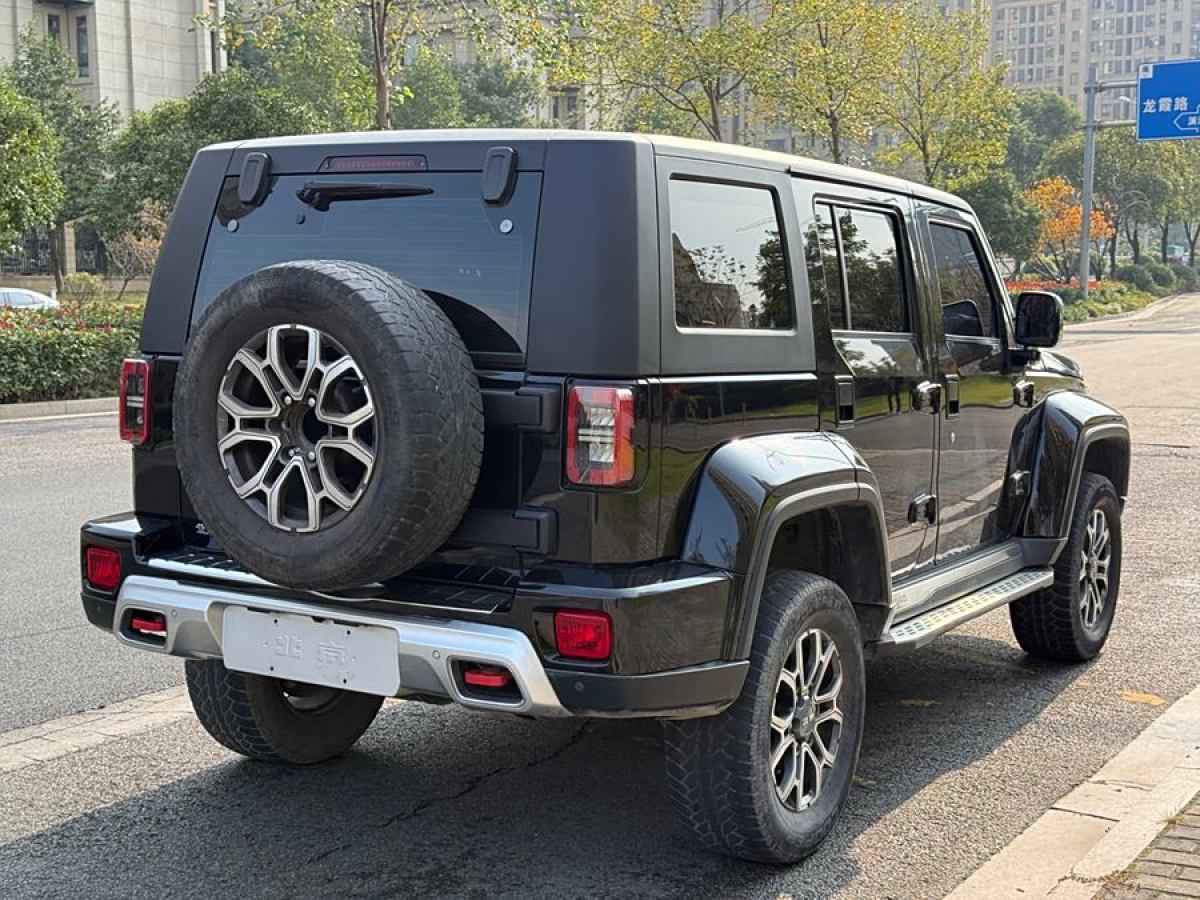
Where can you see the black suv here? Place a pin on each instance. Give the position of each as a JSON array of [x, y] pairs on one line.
[[582, 424]]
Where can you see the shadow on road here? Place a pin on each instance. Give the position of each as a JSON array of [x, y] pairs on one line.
[[439, 802]]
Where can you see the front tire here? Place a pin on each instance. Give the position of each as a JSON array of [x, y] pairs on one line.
[[765, 779], [273, 720], [1070, 620]]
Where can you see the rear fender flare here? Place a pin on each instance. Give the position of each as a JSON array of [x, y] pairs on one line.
[[752, 487]]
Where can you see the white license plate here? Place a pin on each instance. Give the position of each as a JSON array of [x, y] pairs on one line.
[[362, 658]]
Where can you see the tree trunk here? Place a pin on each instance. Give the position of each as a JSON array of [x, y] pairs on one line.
[[1192, 236], [58, 251], [835, 139], [1166, 227], [381, 59], [1135, 243], [1112, 246]]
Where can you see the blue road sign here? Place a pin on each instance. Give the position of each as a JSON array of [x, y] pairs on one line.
[[1169, 100]]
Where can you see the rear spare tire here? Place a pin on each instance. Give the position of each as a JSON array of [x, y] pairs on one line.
[[328, 424]]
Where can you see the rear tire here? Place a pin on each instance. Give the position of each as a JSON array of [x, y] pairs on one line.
[[267, 719], [728, 774], [1064, 622]]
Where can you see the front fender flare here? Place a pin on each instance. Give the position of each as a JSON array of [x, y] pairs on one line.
[[1072, 424]]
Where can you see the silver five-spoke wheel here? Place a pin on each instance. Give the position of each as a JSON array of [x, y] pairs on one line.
[[806, 721], [296, 428], [1095, 558]]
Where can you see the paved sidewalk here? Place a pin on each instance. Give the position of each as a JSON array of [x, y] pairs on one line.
[[1103, 834], [1169, 867]]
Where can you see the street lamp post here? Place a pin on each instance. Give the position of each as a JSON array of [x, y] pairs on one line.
[[1090, 127]]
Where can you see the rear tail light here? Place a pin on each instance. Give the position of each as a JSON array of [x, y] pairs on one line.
[[135, 401], [103, 568], [600, 436], [583, 635]]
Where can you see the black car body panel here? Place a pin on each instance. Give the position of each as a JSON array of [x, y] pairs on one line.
[[871, 440]]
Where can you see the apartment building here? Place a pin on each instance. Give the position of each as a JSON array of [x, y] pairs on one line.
[[1049, 45], [131, 52]]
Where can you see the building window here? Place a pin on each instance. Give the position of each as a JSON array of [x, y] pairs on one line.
[[54, 27], [81, 45]]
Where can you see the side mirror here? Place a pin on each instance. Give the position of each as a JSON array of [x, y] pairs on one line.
[[1039, 318]]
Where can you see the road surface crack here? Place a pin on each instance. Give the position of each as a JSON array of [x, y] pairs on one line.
[[470, 786]]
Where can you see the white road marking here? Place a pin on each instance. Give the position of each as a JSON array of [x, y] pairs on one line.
[[38, 744], [30, 419]]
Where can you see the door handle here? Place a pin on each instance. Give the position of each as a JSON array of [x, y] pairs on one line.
[[952, 402], [923, 506], [1023, 393], [927, 397]]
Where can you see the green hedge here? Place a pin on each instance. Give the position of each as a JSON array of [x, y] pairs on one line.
[[1108, 298], [66, 353]]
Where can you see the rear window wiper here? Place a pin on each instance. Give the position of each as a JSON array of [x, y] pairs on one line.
[[319, 194]]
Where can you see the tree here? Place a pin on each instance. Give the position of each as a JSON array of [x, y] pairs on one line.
[[135, 251], [432, 95], [496, 94], [1062, 226], [1012, 222], [949, 109], [679, 65], [826, 61], [150, 157], [31, 190], [1040, 119], [337, 53], [1187, 196], [44, 73], [1129, 186]]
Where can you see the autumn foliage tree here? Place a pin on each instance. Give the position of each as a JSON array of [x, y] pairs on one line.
[[1062, 224]]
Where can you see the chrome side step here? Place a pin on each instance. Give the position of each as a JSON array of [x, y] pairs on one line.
[[921, 629]]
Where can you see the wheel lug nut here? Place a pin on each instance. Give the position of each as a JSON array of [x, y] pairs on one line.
[[312, 401], [312, 456], [287, 401]]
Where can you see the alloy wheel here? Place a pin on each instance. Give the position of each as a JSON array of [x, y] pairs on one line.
[[1095, 557], [296, 428], [806, 720]]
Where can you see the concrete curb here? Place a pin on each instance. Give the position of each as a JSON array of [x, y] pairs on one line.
[[10, 412], [1101, 827]]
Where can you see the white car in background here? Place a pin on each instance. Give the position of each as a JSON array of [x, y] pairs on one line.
[[20, 298]]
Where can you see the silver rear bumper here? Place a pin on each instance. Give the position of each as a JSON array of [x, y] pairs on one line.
[[427, 650]]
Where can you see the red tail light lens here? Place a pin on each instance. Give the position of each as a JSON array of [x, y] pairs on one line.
[[103, 568], [600, 436], [135, 401], [583, 635]]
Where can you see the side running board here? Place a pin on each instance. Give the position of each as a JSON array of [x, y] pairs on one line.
[[920, 630]]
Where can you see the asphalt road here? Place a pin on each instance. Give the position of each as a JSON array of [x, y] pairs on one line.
[[967, 742]]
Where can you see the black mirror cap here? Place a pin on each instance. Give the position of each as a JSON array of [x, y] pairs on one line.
[[1039, 318]]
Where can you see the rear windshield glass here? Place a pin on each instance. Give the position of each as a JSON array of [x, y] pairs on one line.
[[475, 260]]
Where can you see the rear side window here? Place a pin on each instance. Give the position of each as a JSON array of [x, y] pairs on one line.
[[729, 265], [860, 252], [474, 260], [967, 303]]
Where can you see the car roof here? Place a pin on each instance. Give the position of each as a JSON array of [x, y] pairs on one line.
[[664, 145]]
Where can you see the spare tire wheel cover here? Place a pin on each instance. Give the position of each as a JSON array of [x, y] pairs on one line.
[[328, 424]]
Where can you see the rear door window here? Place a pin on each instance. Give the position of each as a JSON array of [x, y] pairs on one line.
[[728, 261], [474, 260], [859, 252]]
